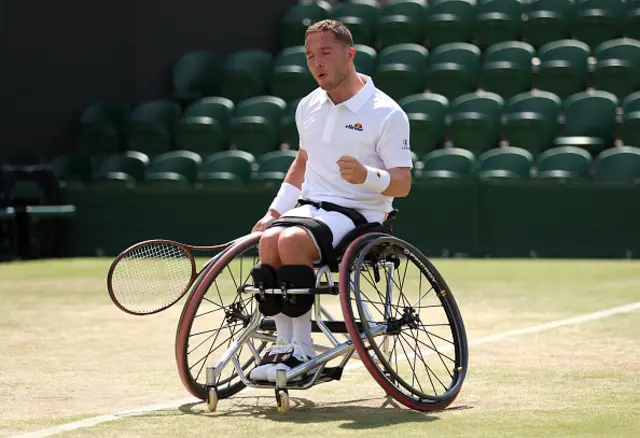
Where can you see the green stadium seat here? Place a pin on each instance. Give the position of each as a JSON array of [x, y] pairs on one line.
[[365, 59], [400, 70], [617, 68], [544, 21], [505, 163], [631, 19], [246, 74], [196, 75], [174, 169], [496, 21], [563, 164], [73, 169], [563, 67], [427, 114], [273, 167], [291, 78], [102, 127], [401, 21], [298, 17], [152, 126], [597, 21], [589, 121], [360, 16], [531, 120], [226, 169], [618, 165], [446, 163], [475, 121], [630, 126], [448, 21], [123, 169], [288, 128], [255, 127], [507, 68], [452, 69], [204, 126]]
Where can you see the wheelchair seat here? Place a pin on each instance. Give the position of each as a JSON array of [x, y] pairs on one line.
[[386, 227]]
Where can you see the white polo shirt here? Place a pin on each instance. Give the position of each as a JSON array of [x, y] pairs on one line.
[[370, 126]]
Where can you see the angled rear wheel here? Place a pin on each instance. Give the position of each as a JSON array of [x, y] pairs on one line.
[[404, 322]]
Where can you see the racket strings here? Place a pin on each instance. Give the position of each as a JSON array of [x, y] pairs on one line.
[[151, 276]]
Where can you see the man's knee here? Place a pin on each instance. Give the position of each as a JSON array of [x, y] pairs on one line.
[[295, 245], [268, 246]]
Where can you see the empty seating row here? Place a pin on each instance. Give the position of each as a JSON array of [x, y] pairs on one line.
[[563, 67], [568, 163], [174, 169], [258, 124], [483, 22], [184, 169], [534, 120]]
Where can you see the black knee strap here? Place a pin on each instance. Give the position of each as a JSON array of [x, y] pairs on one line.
[[320, 231], [266, 277], [297, 277]]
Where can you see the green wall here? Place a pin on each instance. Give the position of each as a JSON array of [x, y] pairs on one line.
[[470, 217]]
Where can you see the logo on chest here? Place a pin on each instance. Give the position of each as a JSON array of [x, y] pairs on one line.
[[356, 127]]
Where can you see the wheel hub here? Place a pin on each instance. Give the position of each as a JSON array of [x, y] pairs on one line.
[[235, 312], [409, 318]]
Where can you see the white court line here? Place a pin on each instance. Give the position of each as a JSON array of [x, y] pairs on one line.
[[88, 422]]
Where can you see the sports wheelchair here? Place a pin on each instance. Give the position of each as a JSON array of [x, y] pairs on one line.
[[400, 319]]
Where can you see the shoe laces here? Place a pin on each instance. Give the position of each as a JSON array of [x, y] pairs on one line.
[[280, 347], [298, 352]]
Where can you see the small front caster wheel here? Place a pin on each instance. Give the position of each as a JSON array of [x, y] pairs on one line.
[[283, 402], [212, 400]]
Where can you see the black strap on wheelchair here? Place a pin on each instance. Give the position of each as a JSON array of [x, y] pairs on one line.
[[356, 217], [323, 234]]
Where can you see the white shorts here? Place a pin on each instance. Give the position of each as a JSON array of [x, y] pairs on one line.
[[338, 223]]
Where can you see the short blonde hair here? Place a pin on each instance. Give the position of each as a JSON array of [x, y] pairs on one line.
[[338, 29]]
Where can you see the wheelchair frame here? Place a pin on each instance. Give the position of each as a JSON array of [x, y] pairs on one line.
[[314, 371]]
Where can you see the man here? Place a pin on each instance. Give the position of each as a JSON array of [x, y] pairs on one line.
[[354, 153]]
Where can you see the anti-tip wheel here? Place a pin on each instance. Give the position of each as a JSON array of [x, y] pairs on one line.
[[284, 403], [212, 400]]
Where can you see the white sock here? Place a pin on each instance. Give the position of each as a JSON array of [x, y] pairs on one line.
[[284, 328], [302, 333]]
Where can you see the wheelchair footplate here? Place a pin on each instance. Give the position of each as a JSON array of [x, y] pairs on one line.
[[328, 374]]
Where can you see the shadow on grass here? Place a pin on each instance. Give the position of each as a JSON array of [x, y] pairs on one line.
[[363, 413]]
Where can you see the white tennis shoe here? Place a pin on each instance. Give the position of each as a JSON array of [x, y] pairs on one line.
[[269, 360], [298, 356]]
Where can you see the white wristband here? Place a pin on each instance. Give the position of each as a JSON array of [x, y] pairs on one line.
[[377, 179], [286, 198]]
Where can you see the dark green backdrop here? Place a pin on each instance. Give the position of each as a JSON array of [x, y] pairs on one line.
[[475, 218]]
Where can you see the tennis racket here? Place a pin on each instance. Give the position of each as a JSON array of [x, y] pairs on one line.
[[153, 275]]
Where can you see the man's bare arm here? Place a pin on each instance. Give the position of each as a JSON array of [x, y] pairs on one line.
[[400, 184], [295, 174]]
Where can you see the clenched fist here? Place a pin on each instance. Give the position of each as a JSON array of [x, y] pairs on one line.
[[351, 169]]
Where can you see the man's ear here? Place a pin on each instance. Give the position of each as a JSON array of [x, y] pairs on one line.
[[351, 53]]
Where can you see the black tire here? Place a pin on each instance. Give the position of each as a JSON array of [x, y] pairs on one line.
[[357, 274], [210, 294]]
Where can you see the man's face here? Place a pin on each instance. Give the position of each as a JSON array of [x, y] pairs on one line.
[[327, 59]]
